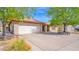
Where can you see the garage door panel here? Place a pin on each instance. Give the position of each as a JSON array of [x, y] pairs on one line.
[[28, 29]]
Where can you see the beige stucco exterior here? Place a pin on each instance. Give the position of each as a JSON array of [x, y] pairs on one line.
[[56, 28], [69, 28]]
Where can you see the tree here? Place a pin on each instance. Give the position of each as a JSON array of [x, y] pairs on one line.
[[64, 16], [23, 12], [7, 14]]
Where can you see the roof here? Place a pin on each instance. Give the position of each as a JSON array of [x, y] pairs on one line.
[[30, 20]]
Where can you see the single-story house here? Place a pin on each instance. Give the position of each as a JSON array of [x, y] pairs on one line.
[[69, 28], [28, 26]]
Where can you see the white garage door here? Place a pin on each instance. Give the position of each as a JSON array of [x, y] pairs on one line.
[[28, 29]]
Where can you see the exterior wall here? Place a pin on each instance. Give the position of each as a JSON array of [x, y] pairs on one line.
[[56, 28], [52, 29], [70, 28], [16, 29], [45, 28]]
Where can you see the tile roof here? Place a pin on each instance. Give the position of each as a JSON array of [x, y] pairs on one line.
[[31, 20]]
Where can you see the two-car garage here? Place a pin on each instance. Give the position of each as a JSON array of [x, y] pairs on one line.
[[27, 27], [20, 29]]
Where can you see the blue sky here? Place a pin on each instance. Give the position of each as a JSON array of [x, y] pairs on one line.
[[41, 14]]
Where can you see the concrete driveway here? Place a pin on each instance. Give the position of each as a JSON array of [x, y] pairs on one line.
[[53, 42]]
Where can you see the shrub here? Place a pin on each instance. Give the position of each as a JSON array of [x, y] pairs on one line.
[[19, 45]]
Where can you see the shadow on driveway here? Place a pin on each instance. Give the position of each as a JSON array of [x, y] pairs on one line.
[[54, 33]]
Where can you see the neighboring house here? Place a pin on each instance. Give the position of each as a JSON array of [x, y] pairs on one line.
[[28, 26], [77, 27], [56, 28], [69, 28]]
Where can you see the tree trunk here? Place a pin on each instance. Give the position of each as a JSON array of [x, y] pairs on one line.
[[13, 28], [4, 29], [64, 27], [9, 27]]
